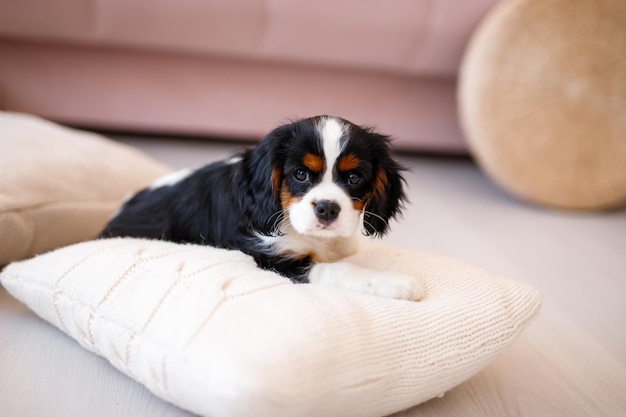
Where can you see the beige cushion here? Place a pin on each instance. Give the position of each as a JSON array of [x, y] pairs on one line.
[[58, 185], [542, 99], [207, 330]]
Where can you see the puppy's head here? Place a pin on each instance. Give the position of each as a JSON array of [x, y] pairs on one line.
[[328, 177]]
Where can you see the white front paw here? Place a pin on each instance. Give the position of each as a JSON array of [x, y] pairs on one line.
[[394, 285], [357, 278]]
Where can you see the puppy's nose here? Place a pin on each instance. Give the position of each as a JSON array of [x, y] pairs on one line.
[[326, 210]]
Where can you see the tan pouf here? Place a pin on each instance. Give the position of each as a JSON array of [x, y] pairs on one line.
[[542, 99]]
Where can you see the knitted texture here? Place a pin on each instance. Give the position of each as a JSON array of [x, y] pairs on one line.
[[205, 329]]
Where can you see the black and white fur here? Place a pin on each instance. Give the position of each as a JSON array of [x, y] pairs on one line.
[[295, 203]]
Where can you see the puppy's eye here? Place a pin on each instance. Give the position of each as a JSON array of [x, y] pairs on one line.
[[354, 178], [301, 175]]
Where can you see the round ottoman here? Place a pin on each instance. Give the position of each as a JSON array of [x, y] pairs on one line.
[[542, 100]]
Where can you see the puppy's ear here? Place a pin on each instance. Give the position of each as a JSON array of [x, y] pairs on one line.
[[387, 196], [262, 180]]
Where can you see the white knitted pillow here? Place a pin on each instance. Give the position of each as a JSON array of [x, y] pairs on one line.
[[207, 330]]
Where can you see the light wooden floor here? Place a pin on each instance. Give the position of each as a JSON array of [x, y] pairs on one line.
[[571, 361]]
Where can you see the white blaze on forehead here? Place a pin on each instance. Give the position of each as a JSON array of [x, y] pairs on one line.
[[331, 131]]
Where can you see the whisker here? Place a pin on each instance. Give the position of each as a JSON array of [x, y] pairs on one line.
[[367, 232], [279, 222], [278, 213], [381, 218]]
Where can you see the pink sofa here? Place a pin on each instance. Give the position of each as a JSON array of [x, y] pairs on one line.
[[236, 68]]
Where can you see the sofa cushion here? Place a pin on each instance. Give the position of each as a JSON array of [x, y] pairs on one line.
[[420, 38]]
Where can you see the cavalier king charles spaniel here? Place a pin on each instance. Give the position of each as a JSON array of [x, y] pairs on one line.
[[295, 203]]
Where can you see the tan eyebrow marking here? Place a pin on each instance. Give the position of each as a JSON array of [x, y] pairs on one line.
[[313, 162], [348, 162]]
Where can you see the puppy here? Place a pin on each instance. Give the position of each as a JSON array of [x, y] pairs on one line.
[[295, 203]]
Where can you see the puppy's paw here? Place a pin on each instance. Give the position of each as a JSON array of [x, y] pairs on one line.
[[395, 285], [368, 281]]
